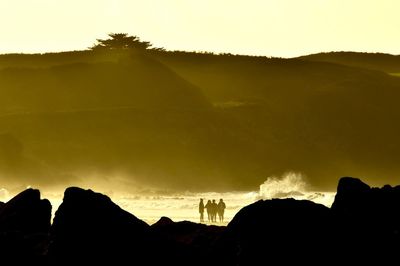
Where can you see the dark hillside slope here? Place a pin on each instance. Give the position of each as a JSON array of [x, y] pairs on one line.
[[69, 121], [53, 59], [138, 82], [163, 148], [316, 117], [376, 61], [195, 121]]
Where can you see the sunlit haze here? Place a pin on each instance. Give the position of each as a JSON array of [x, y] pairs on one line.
[[284, 28], [192, 132]]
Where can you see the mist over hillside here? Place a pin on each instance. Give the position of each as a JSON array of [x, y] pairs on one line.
[[178, 120]]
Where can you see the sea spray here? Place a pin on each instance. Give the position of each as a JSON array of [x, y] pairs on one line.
[[290, 184], [4, 194], [293, 185]]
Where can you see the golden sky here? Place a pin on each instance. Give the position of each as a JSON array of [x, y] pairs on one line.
[[283, 28]]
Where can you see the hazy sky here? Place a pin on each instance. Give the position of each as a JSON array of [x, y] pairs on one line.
[[264, 27]]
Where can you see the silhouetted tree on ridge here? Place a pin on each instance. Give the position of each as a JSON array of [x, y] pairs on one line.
[[120, 41]]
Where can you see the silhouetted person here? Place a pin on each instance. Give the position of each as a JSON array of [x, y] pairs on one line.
[[209, 210], [221, 210], [214, 209], [201, 210]]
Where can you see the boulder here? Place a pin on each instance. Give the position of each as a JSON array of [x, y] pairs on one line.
[[377, 209], [367, 218], [26, 213], [281, 231], [196, 243], [24, 227], [350, 194], [89, 227], [163, 222], [194, 234]]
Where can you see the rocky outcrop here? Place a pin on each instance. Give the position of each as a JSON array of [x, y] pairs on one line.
[[24, 227], [89, 227], [279, 230], [350, 195], [198, 242], [197, 235], [26, 213], [362, 226], [367, 219], [164, 221], [356, 199]]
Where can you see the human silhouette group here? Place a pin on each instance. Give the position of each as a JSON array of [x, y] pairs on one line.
[[213, 209]]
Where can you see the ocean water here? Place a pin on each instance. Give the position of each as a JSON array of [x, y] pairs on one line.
[[184, 205]]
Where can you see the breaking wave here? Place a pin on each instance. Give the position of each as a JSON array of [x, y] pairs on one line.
[[293, 185]]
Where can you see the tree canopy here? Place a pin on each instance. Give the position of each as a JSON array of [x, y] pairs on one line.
[[121, 41]]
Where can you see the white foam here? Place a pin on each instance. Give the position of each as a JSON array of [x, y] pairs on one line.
[[293, 185]]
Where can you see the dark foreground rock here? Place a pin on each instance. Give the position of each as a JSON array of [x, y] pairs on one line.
[[199, 240], [279, 230], [361, 227], [24, 227], [367, 220], [88, 227], [188, 233]]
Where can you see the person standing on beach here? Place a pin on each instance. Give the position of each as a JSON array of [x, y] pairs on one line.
[[209, 210], [221, 210], [214, 210], [201, 210]]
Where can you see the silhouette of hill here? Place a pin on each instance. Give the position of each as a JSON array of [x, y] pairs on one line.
[[194, 121], [376, 61]]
